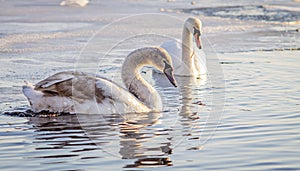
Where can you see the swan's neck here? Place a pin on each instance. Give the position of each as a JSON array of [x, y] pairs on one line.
[[187, 48], [136, 84]]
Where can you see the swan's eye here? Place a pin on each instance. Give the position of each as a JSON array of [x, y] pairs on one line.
[[197, 31]]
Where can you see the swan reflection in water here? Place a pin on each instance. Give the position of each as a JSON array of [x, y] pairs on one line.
[[126, 136], [193, 104]]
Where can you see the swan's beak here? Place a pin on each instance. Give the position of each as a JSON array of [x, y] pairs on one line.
[[168, 70], [197, 35], [198, 41]]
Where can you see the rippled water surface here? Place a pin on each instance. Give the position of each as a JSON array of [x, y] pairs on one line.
[[244, 116]]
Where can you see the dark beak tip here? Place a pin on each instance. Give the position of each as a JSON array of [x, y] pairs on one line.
[[174, 82]]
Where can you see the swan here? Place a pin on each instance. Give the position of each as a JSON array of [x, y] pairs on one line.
[[81, 3], [188, 57], [80, 92]]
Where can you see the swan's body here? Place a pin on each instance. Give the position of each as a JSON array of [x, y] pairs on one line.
[[81, 3], [79, 92], [188, 57]]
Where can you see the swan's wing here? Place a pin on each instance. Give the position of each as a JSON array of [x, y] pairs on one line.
[[57, 84], [75, 85], [56, 78], [173, 47]]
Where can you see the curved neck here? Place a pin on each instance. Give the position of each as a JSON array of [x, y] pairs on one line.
[[187, 47], [136, 84]]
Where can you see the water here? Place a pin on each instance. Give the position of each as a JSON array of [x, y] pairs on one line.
[[268, 13], [255, 127]]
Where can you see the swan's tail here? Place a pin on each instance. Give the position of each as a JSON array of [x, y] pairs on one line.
[[29, 92], [40, 102], [28, 89], [27, 85]]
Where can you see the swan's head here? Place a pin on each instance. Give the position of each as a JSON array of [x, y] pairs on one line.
[[163, 62], [153, 56], [194, 26]]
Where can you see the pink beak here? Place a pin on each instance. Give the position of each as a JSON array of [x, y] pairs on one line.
[[198, 41]]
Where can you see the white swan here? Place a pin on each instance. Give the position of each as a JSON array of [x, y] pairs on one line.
[[188, 57], [81, 3], [79, 92]]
